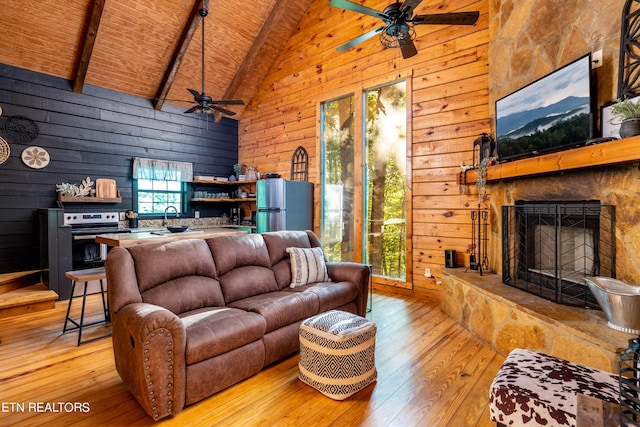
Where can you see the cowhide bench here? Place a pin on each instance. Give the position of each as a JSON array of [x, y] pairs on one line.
[[337, 353], [534, 389]]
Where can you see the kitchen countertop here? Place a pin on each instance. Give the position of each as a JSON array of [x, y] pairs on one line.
[[125, 240]]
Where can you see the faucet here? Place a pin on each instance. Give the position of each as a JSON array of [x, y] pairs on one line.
[[166, 221]]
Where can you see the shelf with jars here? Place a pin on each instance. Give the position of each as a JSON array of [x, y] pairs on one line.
[[225, 191]]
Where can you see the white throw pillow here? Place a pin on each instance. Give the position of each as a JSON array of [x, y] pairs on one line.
[[307, 266]]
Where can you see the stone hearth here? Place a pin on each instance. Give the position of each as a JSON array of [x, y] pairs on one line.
[[507, 318]]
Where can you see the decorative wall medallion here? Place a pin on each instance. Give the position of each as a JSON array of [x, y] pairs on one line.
[[35, 157], [5, 150], [21, 128]]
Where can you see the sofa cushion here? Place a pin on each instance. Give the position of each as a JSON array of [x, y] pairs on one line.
[[230, 252], [179, 276], [162, 262], [280, 308], [243, 268], [282, 273], [185, 294], [277, 243], [330, 295], [307, 266], [247, 281], [214, 331]]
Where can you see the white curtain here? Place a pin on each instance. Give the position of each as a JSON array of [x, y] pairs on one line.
[[162, 170]]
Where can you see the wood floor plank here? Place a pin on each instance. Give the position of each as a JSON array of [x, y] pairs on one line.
[[431, 372], [474, 409], [459, 382]]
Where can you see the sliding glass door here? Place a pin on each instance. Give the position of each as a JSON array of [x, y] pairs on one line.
[[386, 149], [364, 179], [338, 188]]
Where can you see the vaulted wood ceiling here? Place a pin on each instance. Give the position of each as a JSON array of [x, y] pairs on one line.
[[150, 48]]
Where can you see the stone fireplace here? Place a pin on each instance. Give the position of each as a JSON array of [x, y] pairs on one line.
[[572, 238], [616, 188], [549, 247], [528, 40]]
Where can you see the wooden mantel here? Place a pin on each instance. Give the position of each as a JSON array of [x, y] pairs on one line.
[[620, 151]]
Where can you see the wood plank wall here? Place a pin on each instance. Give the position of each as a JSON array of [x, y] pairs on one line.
[[94, 134], [450, 108]]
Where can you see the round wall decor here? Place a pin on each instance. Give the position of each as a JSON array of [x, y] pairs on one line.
[[5, 150], [21, 128], [35, 157]]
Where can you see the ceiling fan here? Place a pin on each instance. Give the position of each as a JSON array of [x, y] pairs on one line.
[[399, 20], [205, 104]]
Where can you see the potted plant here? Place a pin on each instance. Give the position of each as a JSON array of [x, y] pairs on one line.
[[628, 112]]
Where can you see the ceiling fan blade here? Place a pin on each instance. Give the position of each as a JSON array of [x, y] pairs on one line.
[[192, 109], [188, 101], [228, 101], [407, 47], [359, 40], [196, 94], [223, 110], [406, 10], [454, 18], [354, 7]]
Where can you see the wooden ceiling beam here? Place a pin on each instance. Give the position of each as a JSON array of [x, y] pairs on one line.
[[87, 45], [178, 55], [252, 54]]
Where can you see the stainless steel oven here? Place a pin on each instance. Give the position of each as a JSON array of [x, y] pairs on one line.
[[67, 242], [85, 226]]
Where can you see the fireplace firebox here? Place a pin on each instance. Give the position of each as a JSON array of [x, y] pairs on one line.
[[549, 247]]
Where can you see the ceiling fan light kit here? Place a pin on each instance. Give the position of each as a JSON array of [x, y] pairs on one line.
[[398, 29]]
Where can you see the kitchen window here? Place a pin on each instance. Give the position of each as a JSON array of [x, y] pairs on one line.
[[159, 184]]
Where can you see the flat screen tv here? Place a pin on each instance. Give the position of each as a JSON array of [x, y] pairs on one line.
[[553, 113]]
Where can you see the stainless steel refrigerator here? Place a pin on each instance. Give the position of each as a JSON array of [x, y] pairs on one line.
[[284, 205]]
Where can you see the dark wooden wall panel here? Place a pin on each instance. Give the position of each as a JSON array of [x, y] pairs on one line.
[[96, 134]]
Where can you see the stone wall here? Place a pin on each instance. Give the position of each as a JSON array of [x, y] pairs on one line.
[[529, 39], [506, 318]]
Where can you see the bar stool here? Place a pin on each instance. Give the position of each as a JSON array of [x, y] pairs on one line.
[[86, 276]]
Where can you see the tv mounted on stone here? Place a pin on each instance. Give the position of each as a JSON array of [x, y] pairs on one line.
[[553, 113]]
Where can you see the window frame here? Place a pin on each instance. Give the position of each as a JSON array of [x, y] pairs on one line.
[[183, 199], [358, 91]]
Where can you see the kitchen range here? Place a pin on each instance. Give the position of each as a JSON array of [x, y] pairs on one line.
[[68, 242], [86, 253]]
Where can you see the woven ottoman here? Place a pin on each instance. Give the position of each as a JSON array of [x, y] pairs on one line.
[[337, 353], [535, 389]]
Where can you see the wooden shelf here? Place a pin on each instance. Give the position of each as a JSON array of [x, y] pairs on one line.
[[620, 151], [218, 182], [219, 200], [226, 199], [65, 198]]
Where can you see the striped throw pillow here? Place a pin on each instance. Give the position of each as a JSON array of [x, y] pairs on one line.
[[307, 266]]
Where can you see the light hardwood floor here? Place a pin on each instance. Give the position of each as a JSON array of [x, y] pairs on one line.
[[431, 372]]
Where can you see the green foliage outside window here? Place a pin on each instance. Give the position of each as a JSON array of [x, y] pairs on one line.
[[385, 178], [154, 196], [386, 172], [338, 185]]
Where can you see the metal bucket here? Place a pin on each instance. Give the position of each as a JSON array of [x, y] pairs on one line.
[[619, 300]]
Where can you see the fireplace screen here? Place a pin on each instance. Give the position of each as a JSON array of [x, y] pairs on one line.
[[548, 248]]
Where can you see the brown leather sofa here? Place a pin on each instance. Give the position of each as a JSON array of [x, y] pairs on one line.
[[193, 317]]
